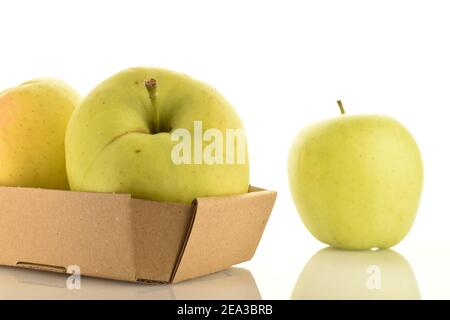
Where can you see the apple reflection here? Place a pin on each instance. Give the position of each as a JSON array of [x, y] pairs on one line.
[[234, 283], [333, 274]]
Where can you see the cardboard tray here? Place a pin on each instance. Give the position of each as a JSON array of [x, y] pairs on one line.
[[117, 237]]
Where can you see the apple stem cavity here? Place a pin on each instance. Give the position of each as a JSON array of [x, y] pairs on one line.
[[341, 107], [151, 86]]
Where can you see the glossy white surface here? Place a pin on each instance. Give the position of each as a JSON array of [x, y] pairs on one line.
[[329, 274], [234, 283]]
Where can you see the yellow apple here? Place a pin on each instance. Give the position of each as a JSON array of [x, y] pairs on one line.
[[125, 138], [33, 120], [356, 180]]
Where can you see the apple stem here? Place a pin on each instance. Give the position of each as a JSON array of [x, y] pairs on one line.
[[150, 85], [341, 106]]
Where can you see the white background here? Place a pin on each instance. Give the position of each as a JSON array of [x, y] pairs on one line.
[[282, 64]]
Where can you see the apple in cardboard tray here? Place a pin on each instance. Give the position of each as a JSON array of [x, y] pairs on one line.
[[157, 135], [33, 120]]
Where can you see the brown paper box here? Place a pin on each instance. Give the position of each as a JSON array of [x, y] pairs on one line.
[[117, 237]]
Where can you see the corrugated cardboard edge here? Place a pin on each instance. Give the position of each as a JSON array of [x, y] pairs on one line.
[[224, 231]]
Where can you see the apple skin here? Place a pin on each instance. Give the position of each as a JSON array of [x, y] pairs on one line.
[[333, 274], [33, 120], [110, 146], [356, 181]]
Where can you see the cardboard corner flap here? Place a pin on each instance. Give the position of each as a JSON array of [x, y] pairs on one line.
[[224, 231]]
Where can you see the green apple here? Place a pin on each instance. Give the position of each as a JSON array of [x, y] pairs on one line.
[[123, 136], [356, 180], [33, 120], [333, 274]]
